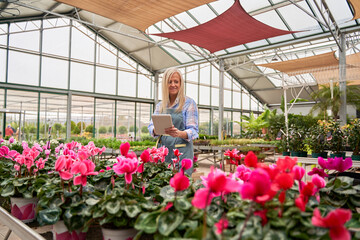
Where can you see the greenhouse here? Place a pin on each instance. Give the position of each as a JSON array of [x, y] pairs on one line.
[[268, 97]]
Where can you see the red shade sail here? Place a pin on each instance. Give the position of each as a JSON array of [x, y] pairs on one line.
[[234, 27]]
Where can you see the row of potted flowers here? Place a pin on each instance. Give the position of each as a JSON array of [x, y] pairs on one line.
[[325, 135], [157, 199]]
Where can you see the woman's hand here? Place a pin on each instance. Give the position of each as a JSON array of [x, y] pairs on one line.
[[174, 132]]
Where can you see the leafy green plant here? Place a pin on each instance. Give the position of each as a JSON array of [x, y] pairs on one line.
[[336, 142], [341, 192], [315, 139], [353, 136]]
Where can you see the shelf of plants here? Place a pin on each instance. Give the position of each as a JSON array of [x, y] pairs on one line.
[[146, 198]]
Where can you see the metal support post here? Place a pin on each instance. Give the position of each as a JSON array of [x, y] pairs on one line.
[[286, 110], [221, 98], [156, 89], [342, 79], [68, 116]]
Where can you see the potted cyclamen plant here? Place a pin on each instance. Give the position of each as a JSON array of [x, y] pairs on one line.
[[62, 198], [116, 210], [24, 179]]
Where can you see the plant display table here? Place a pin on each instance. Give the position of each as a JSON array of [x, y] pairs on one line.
[[22, 230]]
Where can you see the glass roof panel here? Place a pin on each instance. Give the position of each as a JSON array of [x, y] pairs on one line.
[[185, 19], [272, 19], [179, 55], [292, 14], [222, 5], [203, 13], [236, 48], [257, 44], [340, 11], [253, 5]]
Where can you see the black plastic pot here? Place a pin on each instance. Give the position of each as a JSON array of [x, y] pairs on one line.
[[316, 155], [286, 153]]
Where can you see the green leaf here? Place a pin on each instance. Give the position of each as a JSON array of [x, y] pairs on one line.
[[147, 222], [113, 207], [167, 192], [345, 191], [169, 221], [272, 235], [194, 233], [49, 216], [188, 224], [92, 201], [355, 200], [182, 204], [132, 210], [8, 191]]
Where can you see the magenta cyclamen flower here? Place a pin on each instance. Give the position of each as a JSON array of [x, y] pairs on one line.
[[85, 168], [336, 163], [257, 186], [318, 171], [186, 163], [127, 166]]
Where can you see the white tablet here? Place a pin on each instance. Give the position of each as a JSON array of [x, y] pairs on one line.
[[161, 122]]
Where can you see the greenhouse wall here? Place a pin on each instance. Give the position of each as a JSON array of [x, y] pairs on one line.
[[57, 70]]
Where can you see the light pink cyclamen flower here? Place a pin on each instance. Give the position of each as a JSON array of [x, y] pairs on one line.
[[243, 173], [63, 166], [47, 152], [318, 181], [127, 166], [299, 172], [85, 168], [11, 140]]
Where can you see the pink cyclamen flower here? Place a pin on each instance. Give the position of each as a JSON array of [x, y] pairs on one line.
[[299, 172], [186, 163], [179, 182], [85, 168], [258, 185], [124, 148], [11, 140], [318, 181], [318, 171], [168, 206], [47, 152], [200, 197], [82, 155], [243, 173], [145, 156], [40, 164], [335, 221], [126, 166], [336, 163], [221, 225]]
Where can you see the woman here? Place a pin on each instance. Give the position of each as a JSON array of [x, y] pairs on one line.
[[184, 115]]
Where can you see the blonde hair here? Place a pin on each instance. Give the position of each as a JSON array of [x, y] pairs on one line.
[[165, 90]]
